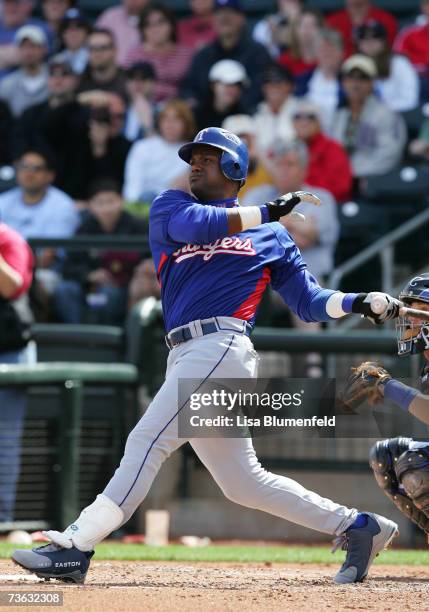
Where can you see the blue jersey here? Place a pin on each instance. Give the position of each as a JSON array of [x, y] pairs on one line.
[[205, 273]]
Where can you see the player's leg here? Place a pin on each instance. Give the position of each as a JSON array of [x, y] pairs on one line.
[[148, 445], [236, 469]]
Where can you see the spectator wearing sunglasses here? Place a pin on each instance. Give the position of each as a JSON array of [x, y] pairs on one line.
[[373, 135], [102, 72], [328, 164]]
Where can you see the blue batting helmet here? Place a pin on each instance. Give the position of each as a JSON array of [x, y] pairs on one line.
[[234, 160]]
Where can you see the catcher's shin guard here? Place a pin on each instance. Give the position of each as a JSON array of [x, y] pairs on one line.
[[412, 470], [383, 458]]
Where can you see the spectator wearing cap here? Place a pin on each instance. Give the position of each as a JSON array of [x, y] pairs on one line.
[[29, 84], [197, 30], [328, 164], [158, 46], [140, 115], [59, 124], [232, 42], [373, 135], [100, 278], [243, 126], [74, 32], [123, 22], [228, 82], [273, 118], [397, 83], [301, 58], [153, 163], [14, 15], [324, 86], [273, 31], [356, 13], [102, 72]]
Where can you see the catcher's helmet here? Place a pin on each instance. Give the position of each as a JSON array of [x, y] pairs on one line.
[[234, 160], [413, 337]]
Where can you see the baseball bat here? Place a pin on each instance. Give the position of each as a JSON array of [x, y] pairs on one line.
[[379, 305], [414, 312]]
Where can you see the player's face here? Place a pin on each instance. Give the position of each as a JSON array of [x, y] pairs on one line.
[[206, 179], [420, 306]]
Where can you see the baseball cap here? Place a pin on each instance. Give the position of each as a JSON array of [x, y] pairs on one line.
[[360, 62], [142, 70], [233, 5], [75, 15], [58, 61], [371, 29], [33, 33], [239, 125], [229, 72], [306, 107], [277, 74]]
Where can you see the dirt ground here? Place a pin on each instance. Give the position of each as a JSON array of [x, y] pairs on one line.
[[175, 587]]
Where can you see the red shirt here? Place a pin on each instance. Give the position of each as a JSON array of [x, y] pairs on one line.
[[414, 43], [194, 32], [342, 22], [16, 252], [297, 66], [329, 167]]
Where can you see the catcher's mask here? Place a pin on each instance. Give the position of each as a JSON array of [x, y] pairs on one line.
[[413, 336]]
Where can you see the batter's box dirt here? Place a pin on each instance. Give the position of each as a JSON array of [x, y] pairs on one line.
[[175, 587]]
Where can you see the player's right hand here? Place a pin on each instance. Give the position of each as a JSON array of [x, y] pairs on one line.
[[285, 204], [362, 305]]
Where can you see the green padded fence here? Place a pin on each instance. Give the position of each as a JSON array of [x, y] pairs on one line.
[[70, 379]]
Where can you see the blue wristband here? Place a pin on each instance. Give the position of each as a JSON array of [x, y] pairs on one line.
[[399, 394], [347, 302], [265, 214]]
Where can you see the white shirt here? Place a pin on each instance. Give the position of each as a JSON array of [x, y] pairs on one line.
[[54, 216], [152, 165], [270, 127], [325, 94], [401, 90]]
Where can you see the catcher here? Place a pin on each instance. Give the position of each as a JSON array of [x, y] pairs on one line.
[[401, 465]]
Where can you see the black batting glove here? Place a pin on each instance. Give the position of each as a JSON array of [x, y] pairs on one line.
[[284, 205], [362, 305]]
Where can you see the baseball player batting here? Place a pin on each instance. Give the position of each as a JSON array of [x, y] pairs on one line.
[[401, 465], [214, 260]]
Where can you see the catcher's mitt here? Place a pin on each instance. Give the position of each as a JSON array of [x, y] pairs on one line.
[[365, 383]]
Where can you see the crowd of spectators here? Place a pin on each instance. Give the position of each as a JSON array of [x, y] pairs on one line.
[[93, 112]]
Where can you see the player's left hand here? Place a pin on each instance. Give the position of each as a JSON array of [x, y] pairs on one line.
[[365, 383], [285, 204], [362, 305]]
